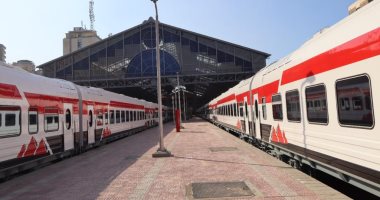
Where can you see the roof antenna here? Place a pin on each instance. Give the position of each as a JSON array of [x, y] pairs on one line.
[[92, 14]]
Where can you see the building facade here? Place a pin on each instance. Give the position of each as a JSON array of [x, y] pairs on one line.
[[26, 65], [2, 53], [79, 38]]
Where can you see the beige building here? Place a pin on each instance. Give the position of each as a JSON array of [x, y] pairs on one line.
[[26, 65], [79, 38], [357, 5], [2, 53]]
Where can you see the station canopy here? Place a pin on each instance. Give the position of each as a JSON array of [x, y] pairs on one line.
[[126, 63]]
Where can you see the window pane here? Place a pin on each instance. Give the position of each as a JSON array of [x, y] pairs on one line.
[[51, 122], [33, 122], [90, 120], [10, 124], [99, 118], [32, 119], [316, 106], [106, 117], [277, 107], [293, 106], [10, 119], [350, 95], [123, 116], [264, 108], [118, 116], [68, 119], [112, 116], [127, 116]]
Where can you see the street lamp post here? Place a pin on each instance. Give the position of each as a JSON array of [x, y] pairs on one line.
[[161, 151], [173, 108], [179, 101], [184, 105]]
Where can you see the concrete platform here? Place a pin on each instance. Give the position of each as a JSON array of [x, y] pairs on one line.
[[202, 153]]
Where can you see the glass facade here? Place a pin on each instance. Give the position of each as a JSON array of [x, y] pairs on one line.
[[131, 54]]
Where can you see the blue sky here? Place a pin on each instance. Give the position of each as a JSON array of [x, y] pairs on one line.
[[34, 29]]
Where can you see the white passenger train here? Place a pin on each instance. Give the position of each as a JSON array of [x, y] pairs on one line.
[[318, 106], [42, 119]]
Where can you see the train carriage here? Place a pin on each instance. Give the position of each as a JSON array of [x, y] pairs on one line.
[[317, 107], [42, 119]]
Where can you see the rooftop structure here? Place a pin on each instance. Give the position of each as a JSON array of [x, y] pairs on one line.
[[125, 63], [79, 38]]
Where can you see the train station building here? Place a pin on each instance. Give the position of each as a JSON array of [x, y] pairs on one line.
[[125, 63]]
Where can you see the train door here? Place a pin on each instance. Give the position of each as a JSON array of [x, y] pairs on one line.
[[246, 117], [91, 124], [68, 126], [242, 116], [256, 121]]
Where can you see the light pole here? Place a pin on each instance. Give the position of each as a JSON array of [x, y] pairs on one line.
[[184, 105], [179, 101], [173, 109], [161, 151]]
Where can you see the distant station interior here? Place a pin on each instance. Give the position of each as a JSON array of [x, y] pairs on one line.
[[125, 63]]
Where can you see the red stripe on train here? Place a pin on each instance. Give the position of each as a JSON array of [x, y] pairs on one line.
[[126, 105], [360, 48], [227, 99], [9, 91]]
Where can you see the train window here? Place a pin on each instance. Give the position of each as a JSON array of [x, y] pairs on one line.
[[33, 121], [91, 118], [350, 94], [241, 111], [10, 117], [246, 109], [123, 116], [99, 118], [264, 108], [277, 107], [51, 119], [127, 115], [68, 119], [256, 109], [118, 116], [235, 110], [106, 117], [293, 106], [316, 106], [112, 116]]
